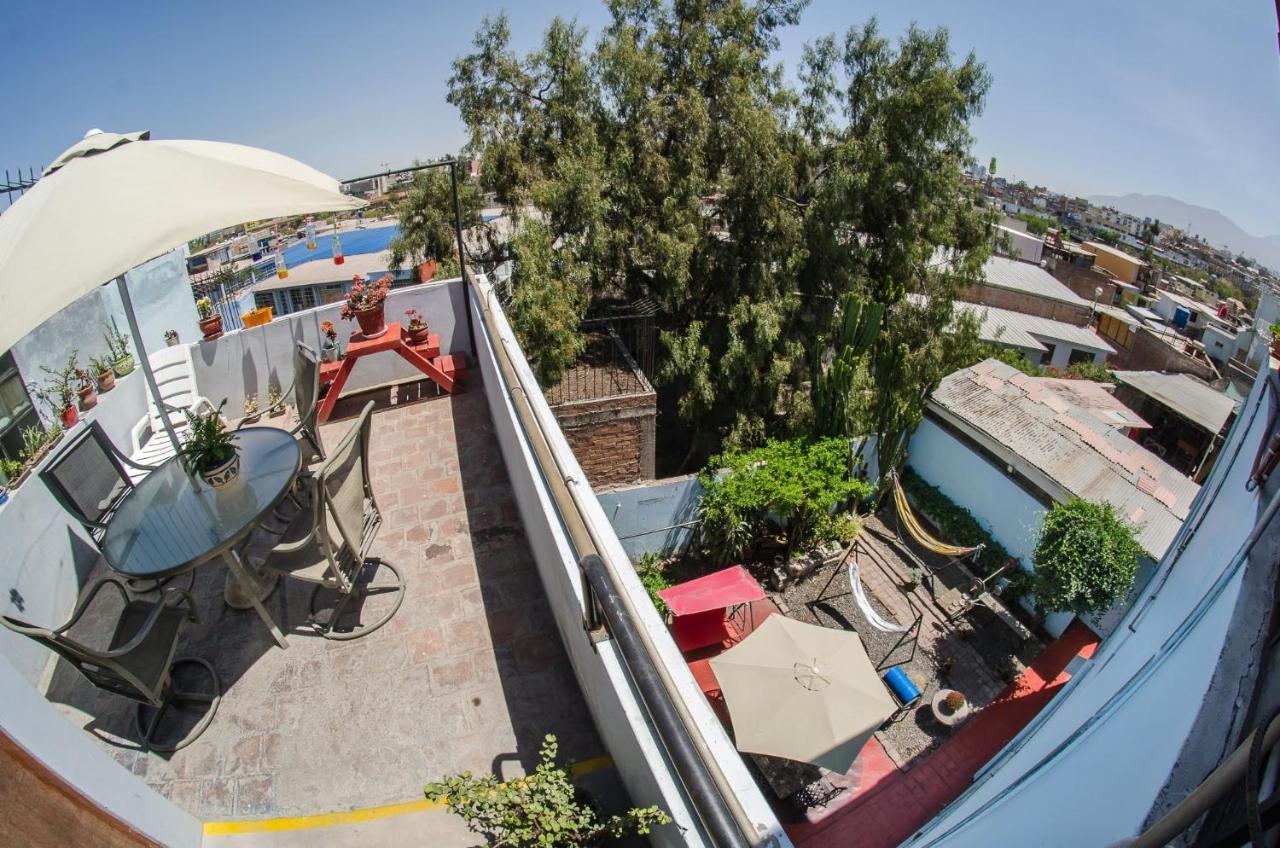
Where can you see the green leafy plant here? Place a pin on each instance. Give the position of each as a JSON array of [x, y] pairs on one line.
[[210, 444], [35, 439], [204, 306], [540, 809], [1086, 559], [10, 468], [117, 343], [99, 365], [652, 572], [58, 391], [1095, 371], [796, 482], [274, 396]]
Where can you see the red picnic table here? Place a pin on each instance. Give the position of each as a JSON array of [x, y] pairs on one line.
[[702, 609], [444, 371]]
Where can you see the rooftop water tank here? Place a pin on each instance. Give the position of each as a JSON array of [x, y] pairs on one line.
[[1181, 316]]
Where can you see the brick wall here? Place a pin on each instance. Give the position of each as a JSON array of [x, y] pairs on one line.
[[1027, 304], [612, 438], [1151, 353], [1083, 281]]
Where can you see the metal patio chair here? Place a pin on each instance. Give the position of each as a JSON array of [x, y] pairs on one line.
[[328, 542], [139, 660], [89, 477], [306, 397]]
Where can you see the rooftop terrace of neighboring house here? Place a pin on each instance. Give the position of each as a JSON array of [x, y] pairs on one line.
[[1193, 399], [1066, 450]]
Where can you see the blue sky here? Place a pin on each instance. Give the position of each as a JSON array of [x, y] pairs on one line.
[[1171, 97]]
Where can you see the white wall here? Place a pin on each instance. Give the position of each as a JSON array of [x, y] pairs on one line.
[[615, 704]]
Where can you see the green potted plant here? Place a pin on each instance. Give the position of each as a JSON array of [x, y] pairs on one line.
[[417, 329], [211, 449], [100, 368], [274, 396], [118, 350], [86, 390], [329, 346], [210, 320], [542, 808], [367, 305], [171, 338], [59, 389]]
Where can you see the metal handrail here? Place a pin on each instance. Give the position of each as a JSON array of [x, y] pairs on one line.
[[714, 799]]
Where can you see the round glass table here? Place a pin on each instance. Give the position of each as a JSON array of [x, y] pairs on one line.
[[173, 521]]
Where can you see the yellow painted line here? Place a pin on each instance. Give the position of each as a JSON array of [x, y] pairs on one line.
[[237, 828]]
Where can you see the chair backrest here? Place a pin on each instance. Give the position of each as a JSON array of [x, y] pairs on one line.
[[306, 393], [175, 377], [348, 497], [87, 478], [103, 672]]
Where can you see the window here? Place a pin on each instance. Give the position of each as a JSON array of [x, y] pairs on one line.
[[302, 298], [1079, 356], [16, 411], [332, 293], [261, 299]]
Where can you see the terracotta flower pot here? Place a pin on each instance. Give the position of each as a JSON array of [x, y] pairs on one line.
[[426, 270], [88, 398], [211, 327], [106, 381], [69, 417], [417, 336], [372, 321]]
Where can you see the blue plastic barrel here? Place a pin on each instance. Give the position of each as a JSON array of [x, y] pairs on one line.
[[1181, 316], [901, 686]]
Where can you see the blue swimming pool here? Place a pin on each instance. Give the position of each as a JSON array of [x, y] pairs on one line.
[[372, 240]]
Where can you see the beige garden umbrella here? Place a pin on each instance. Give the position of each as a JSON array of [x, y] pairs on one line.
[[113, 201], [802, 692]]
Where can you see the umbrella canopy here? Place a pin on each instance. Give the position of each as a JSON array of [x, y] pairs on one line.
[[113, 201], [802, 692]]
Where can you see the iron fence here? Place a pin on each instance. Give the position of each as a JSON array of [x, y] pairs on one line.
[[17, 184], [224, 286]]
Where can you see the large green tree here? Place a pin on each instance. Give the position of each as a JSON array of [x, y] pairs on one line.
[[671, 161], [426, 219]]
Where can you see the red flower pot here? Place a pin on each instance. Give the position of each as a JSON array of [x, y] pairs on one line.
[[426, 270], [211, 327], [69, 417], [418, 336], [372, 321]]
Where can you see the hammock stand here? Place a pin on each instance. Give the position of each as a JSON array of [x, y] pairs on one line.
[[905, 517], [869, 612]]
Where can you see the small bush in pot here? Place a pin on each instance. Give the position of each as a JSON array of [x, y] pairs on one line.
[[542, 808], [59, 389], [417, 329], [100, 368], [210, 321], [118, 351], [211, 450]]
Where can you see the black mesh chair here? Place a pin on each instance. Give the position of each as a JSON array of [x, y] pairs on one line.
[[328, 542], [306, 395], [138, 661], [89, 478]]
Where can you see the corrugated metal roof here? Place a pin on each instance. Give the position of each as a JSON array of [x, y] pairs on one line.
[[1070, 447], [1028, 278], [1031, 331], [1094, 399], [1194, 400]]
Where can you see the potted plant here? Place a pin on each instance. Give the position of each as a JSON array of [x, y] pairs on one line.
[[367, 305], [58, 392], [211, 449], [417, 331], [542, 808], [171, 338], [329, 347], [210, 321], [950, 707], [118, 351], [274, 396], [251, 407], [100, 368], [86, 390]]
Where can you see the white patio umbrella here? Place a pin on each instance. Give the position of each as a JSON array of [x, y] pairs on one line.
[[802, 692], [113, 201]]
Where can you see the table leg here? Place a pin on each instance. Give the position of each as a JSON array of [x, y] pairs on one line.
[[253, 588], [426, 366], [335, 388]]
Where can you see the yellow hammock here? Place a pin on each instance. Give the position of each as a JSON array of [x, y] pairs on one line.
[[917, 530]]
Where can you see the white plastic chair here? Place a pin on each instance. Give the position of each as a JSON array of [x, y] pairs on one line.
[[175, 377]]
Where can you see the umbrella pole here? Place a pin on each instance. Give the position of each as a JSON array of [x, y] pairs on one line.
[[144, 362]]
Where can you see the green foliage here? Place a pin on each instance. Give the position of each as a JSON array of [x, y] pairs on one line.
[[117, 343], [426, 219], [1086, 559], [798, 482], [540, 809], [672, 160], [842, 388], [1098, 372], [10, 468], [36, 438], [204, 308], [955, 524], [652, 571], [99, 365], [58, 391], [210, 443], [1037, 224]]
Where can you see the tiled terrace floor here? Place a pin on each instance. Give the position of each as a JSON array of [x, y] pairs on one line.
[[469, 674]]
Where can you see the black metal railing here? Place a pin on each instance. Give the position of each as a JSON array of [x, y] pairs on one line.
[[17, 184], [606, 368]]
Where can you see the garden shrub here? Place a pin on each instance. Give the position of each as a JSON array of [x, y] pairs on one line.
[[1086, 559], [652, 571]]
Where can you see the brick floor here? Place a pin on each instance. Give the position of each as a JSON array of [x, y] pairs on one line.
[[468, 675]]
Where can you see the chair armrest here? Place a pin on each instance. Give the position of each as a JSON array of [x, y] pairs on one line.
[[88, 599], [150, 622], [135, 435]]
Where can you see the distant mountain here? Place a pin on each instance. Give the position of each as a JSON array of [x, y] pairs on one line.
[[1210, 224]]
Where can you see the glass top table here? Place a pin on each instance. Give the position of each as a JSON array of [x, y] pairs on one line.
[[173, 521]]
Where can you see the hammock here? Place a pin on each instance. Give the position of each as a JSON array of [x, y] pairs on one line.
[[916, 529], [860, 595]]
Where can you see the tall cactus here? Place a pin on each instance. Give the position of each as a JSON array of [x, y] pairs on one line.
[[834, 385]]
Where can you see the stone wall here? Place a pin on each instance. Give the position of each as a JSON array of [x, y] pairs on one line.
[[1027, 304], [613, 438]]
